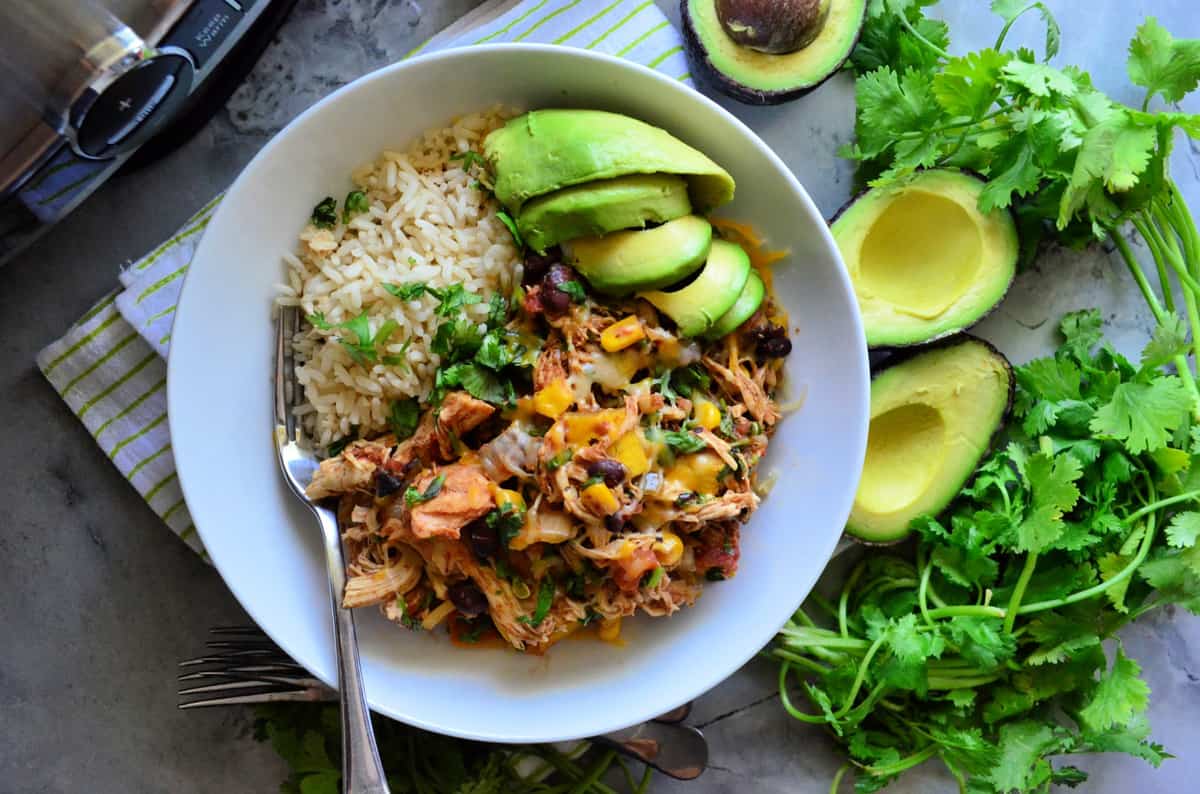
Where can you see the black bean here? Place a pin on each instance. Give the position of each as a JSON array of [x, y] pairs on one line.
[[613, 471], [386, 484], [614, 522], [555, 302], [467, 598], [558, 274], [775, 347], [537, 264], [684, 499], [483, 540]]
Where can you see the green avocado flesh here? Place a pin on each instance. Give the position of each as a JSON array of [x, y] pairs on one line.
[[546, 150], [933, 417], [747, 304], [623, 262], [763, 78], [697, 306], [924, 261], [595, 208]]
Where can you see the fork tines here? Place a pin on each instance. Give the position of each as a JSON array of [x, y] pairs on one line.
[[244, 666]]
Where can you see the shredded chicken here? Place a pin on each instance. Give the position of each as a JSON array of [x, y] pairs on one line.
[[372, 582], [738, 384], [460, 414], [464, 496], [353, 470]]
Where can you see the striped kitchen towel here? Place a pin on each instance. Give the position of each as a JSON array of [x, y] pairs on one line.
[[110, 367]]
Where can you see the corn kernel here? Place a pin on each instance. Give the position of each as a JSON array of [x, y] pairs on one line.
[[583, 429], [553, 399], [631, 454], [504, 496], [621, 335], [669, 550], [610, 630], [706, 414], [600, 499]]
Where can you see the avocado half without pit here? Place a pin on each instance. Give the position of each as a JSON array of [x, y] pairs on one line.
[[701, 303], [763, 52], [933, 418], [924, 261]]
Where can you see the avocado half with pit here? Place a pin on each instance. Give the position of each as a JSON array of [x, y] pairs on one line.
[[763, 52], [924, 261], [933, 418], [624, 262], [699, 303], [547, 150], [596, 208]]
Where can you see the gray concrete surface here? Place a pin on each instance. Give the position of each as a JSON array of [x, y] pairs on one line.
[[100, 601]]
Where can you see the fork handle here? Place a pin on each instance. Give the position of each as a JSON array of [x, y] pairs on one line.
[[362, 773]]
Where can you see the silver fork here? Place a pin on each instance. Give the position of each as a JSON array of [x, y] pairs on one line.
[[243, 666], [362, 772]]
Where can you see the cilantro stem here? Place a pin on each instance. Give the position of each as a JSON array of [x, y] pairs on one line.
[[837, 778], [1120, 576], [926, 570], [812, 719], [1135, 270], [896, 767], [593, 777], [1008, 25], [860, 676], [802, 661], [967, 610], [1153, 507], [903, 17], [1019, 591], [939, 683], [844, 598]]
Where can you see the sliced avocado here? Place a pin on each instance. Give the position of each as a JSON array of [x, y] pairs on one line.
[[696, 306], [924, 261], [933, 417], [593, 208], [747, 304], [763, 78], [623, 262], [546, 150]]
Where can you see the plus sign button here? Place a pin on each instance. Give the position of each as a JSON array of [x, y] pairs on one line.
[[134, 105]]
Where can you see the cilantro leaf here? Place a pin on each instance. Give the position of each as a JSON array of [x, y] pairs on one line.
[[1024, 746], [453, 298], [403, 417], [413, 497], [1143, 415], [1010, 10], [575, 290], [324, 215], [1119, 697], [1184, 529], [411, 291], [544, 601], [1170, 340], [1162, 64], [1039, 79], [356, 203], [1052, 481], [469, 159], [970, 85], [683, 442], [892, 106], [511, 225]]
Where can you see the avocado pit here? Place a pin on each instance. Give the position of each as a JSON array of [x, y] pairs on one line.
[[773, 26]]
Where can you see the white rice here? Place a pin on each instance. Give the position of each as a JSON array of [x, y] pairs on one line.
[[427, 222]]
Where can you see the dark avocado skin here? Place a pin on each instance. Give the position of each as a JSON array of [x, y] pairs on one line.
[[908, 353], [953, 333], [707, 73]]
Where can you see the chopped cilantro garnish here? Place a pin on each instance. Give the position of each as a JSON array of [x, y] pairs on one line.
[[544, 601], [413, 497], [653, 578], [575, 290], [403, 417], [511, 225], [410, 291], [469, 159], [683, 442], [507, 520], [336, 447], [558, 460], [589, 617], [324, 215], [356, 203], [690, 378]]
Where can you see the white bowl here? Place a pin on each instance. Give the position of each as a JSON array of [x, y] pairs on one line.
[[263, 541]]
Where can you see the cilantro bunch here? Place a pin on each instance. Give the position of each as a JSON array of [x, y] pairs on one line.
[[983, 643], [1072, 164], [307, 737]]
